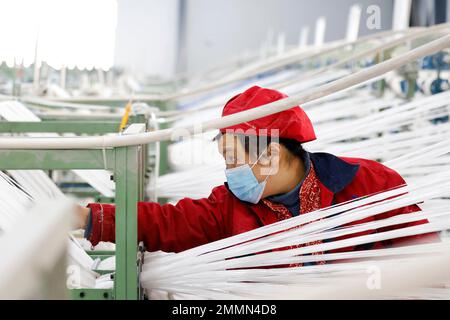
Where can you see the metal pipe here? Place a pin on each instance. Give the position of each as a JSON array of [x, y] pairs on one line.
[[230, 120]]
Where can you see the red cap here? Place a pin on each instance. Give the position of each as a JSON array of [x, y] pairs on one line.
[[291, 123]]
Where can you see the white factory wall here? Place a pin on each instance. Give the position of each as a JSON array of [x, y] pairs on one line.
[[161, 37], [147, 36], [217, 29]]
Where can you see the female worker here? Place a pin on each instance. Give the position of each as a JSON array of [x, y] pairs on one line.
[[270, 177]]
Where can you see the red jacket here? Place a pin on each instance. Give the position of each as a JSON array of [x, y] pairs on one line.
[[193, 222]]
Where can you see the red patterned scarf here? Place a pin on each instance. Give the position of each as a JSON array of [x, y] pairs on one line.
[[309, 201]]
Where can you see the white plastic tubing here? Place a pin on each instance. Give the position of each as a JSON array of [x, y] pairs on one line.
[[248, 115]]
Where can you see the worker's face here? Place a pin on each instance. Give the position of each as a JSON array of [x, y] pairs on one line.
[[234, 155]]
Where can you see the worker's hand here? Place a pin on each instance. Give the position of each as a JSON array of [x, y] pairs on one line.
[[82, 215]]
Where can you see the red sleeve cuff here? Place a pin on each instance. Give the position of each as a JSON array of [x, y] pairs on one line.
[[103, 226]]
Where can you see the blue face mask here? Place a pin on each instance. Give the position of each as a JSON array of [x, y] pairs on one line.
[[244, 185]]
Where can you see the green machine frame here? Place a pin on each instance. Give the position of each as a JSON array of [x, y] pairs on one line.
[[128, 167], [79, 125], [162, 105], [62, 125]]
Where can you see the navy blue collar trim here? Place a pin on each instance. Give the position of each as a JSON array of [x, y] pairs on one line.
[[333, 172]]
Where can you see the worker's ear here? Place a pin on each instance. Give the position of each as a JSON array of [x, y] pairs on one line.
[[271, 157], [272, 150]]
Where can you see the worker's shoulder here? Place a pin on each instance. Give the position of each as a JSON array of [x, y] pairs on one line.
[[333, 162], [221, 197], [374, 169], [220, 192]]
